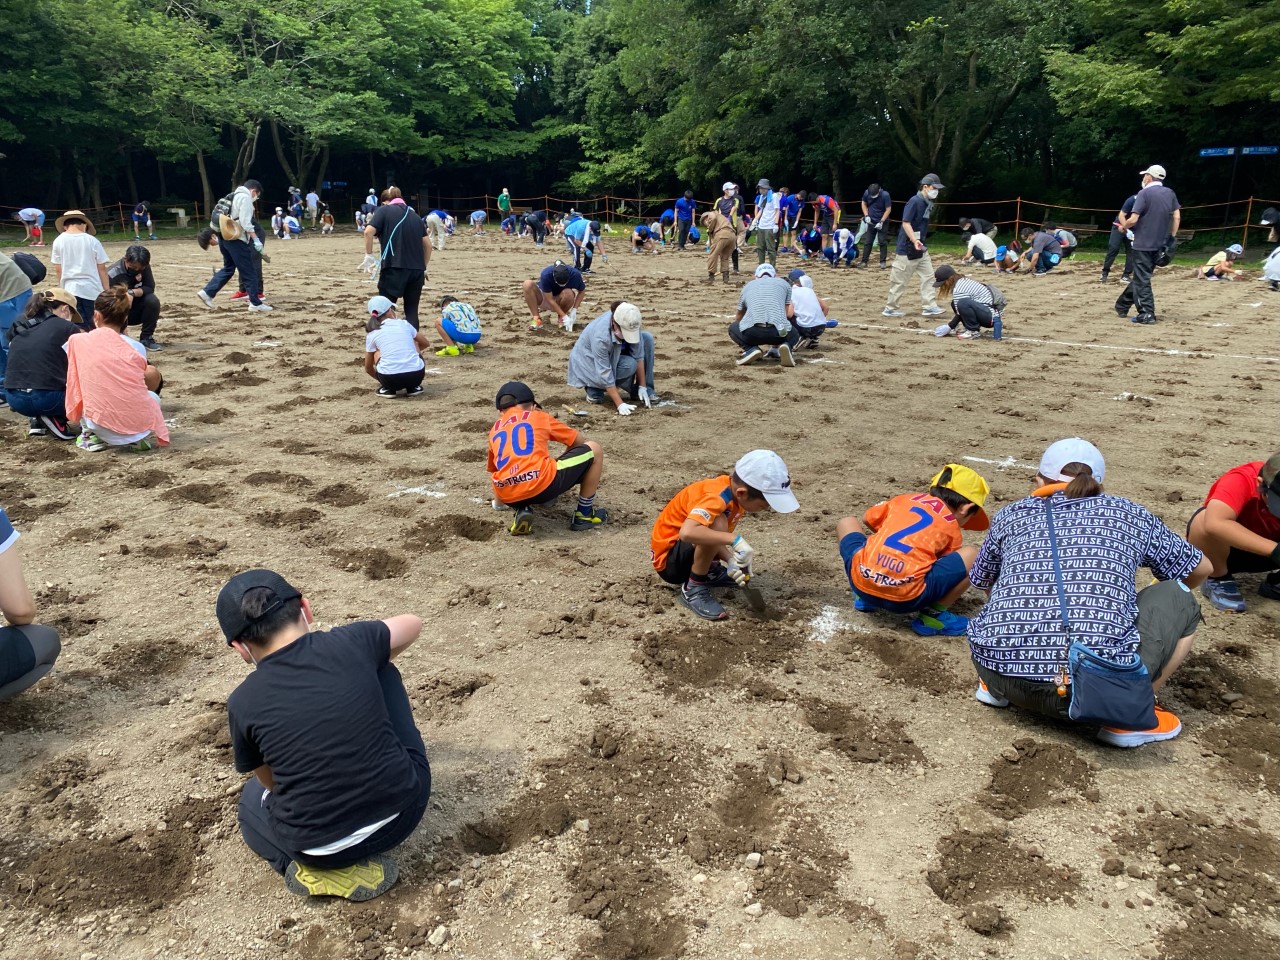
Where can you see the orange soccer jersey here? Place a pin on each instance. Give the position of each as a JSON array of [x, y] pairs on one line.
[[520, 462], [911, 531], [701, 502]]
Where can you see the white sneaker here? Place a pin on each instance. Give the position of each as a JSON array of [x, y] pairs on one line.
[[890, 312], [969, 335], [984, 695], [934, 311], [260, 307], [785, 354], [205, 298]]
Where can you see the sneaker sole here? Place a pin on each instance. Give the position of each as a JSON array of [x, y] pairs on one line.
[[1128, 740], [358, 883], [521, 526], [747, 361], [983, 695]]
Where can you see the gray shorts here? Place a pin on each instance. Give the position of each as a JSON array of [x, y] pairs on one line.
[[1167, 612]]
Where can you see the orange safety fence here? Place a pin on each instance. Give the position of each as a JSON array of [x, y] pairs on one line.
[[113, 216]]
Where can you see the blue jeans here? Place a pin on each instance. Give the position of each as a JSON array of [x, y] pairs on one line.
[[255, 819], [236, 255], [624, 374], [10, 310], [946, 573], [38, 403]]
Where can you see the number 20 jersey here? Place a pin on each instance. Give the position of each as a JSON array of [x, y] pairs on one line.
[[520, 463], [911, 532]]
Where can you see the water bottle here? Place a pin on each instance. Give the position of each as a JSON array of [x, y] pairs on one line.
[[997, 327]]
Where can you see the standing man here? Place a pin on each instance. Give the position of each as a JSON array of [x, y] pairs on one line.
[[504, 204], [789, 206], [826, 215], [730, 207], [765, 223], [1155, 217], [232, 224], [313, 205], [1120, 237], [685, 208], [406, 251], [876, 204], [912, 257]]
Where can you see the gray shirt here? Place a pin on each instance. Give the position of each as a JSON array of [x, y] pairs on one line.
[[1154, 206], [765, 299], [595, 354]]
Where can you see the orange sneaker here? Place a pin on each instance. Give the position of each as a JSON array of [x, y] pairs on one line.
[[1167, 727]]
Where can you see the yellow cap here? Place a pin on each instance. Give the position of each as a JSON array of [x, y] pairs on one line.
[[970, 485]]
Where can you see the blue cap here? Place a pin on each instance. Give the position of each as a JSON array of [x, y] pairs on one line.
[[795, 274]]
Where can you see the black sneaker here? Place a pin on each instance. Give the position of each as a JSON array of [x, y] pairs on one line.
[[35, 428], [58, 426], [414, 391], [1270, 587], [1144, 318], [698, 598], [522, 523], [718, 576], [385, 393], [594, 520], [750, 355], [152, 344]]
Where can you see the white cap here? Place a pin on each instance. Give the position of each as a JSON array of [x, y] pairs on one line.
[[378, 306], [728, 185], [1156, 171], [1071, 450], [766, 270], [627, 317], [764, 470], [1236, 249]]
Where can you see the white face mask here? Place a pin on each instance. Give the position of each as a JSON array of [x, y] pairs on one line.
[[931, 193]]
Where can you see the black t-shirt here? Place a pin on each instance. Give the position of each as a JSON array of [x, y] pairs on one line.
[[315, 714], [400, 231], [978, 225], [36, 358], [120, 275]]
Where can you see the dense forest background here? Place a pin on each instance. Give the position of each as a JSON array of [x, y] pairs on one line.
[[105, 101]]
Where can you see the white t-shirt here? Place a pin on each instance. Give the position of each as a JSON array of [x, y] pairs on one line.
[[984, 245], [313, 200], [79, 254], [767, 217], [393, 341], [808, 310]]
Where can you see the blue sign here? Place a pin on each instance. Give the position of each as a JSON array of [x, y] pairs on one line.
[[1260, 151], [1217, 151]]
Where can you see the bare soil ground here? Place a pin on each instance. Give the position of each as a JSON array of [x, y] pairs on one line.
[[604, 762]]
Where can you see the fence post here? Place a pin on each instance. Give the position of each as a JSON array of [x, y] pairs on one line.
[[1017, 220], [1248, 218]]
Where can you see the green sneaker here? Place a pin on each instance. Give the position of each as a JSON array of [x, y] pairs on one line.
[[592, 521], [88, 440], [143, 445], [358, 882], [523, 522]]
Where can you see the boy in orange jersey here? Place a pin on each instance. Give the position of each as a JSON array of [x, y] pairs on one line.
[[913, 561], [694, 545], [521, 467]]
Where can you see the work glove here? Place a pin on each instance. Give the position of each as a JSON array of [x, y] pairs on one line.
[[626, 409], [880, 225], [738, 576], [647, 396], [743, 554], [368, 263], [257, 246], [866, 220], [570, 319]]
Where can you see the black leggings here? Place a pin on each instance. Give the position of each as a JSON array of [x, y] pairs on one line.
[[972, 314], [401, 381]]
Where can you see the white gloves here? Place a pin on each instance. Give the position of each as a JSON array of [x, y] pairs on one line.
[[866, 220], [368, 263], [626, 409], [1128, 234], [257, 246], [570, 319], [737, 575], [743, 554], [880, 225], [647, 396]]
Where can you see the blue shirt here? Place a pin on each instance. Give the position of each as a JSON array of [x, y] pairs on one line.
[[876, 206], [439, 213], [684, 209], [578, 229], [916, 213], [668, 215], [8, 535], [790, 207], [643, 232], [1102, 541], [547, 284]]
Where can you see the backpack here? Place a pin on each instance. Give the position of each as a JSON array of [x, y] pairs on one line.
[[30, 265], [998, 300]]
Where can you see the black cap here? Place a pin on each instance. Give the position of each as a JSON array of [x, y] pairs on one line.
[[230, 600], [943, 274], [560, 274], [511, 393], [874, 189], [594, 226], [688, 194]]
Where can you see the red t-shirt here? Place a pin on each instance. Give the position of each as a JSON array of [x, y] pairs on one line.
[[1238, 489]]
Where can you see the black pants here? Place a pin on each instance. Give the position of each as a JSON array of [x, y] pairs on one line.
[[1138, 293], [396, 283], [1114, 243], [872, 237], [84, 307], [145, 310], [763, 335], [582, 255], [401, 381], [26, 654], [257, 262], [972, 314], [538, 227], [682, 232]]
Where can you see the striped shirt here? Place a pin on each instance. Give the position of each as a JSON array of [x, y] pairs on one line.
[[1102, 541], [976, 290]]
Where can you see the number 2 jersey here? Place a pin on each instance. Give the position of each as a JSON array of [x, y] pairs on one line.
[[520, 463], [702, 502], [911, 531]]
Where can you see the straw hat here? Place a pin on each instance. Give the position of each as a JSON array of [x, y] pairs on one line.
[[61, 222]]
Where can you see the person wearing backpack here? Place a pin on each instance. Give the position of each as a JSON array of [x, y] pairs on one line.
[[232, 224], [976, 305]]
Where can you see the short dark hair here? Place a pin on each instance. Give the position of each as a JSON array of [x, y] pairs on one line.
[[253, 185], [258, 599], [752, 492], [953, 500], [137, 253]]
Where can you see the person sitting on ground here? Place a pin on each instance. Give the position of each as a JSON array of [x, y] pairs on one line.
[[524, 473], [694, 544], [1044, 250], [764, 318], [969, 226], [1060, 565], [133, 272], [1271, 270], [811, 310], [643, 238], [36, 378], [560, 289], [323, 722], [81, 262], [477, 219], [1222, 264], [982, 249], [27, 649], [721, 241], [1238, 528], [844, 246], [972, 302], [583, 238], [458, 326], [613, 354], [111, 389], [906, 554], [392, 350]]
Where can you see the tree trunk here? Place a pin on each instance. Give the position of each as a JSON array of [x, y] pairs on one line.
[[245, 156], [164, 190], [129, 178], [373, 174], [95, 188], [284, 161], [321, 169], [204, 183]]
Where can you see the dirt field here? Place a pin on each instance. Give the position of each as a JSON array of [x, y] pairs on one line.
[[604, 762]]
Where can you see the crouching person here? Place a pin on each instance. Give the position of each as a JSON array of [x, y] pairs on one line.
[[333, 788]]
